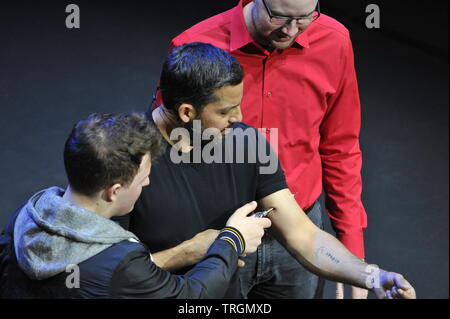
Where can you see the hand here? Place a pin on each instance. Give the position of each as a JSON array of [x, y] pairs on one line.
[[200, 243], [357, 293], [394, 286], [251, 228], [241, 263]]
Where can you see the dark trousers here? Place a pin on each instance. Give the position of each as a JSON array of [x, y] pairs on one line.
[[272, 273]]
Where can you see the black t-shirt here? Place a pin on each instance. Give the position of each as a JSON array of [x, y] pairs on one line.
[[184, 199]]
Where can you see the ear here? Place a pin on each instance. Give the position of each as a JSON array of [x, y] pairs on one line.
[[187, 112], [112, 192]]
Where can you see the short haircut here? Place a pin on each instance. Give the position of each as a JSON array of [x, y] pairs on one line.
[[193, 72], [107, 149]]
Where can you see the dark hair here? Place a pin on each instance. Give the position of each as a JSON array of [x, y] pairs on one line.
[[106, 149], [193, 72]]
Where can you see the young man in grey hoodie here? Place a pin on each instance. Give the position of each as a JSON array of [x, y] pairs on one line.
[[62, 243]]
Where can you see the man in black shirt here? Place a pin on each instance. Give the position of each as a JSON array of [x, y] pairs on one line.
[[195, 189]]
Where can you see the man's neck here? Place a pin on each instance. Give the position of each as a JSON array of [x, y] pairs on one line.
[[167, 121], [85, 202]]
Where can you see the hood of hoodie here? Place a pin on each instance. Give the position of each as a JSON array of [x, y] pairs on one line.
[[50, 234]]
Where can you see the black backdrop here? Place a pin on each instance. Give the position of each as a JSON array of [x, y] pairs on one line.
[[50, 77]]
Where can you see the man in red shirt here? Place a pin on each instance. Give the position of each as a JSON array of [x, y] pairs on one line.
[[300, 79]]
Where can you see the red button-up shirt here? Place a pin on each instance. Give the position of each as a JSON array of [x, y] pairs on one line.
[[310, 94]]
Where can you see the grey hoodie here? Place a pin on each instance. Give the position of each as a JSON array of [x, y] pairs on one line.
[[50, 233]]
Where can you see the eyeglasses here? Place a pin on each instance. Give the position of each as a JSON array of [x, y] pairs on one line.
[[301, 21]]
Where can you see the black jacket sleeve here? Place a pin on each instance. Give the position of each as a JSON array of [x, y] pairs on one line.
[[138, 277]]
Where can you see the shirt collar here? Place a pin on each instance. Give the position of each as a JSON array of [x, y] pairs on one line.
[[238, 31], [239, 34], [303, 38]]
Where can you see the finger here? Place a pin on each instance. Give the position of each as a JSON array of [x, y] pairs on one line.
[[402, 294], [246, 209], [405, 289], [394, 293], [401, 282], [241, 263], [264, 222], [339, 290], [407, 294], [388, 294]]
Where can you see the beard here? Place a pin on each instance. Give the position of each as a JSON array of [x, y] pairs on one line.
[[196, 132]]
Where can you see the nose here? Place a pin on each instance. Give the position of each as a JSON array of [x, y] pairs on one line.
[[236, 116], [290, 28]]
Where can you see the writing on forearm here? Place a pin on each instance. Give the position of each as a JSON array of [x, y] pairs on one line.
[[323, 252], [333, 261]]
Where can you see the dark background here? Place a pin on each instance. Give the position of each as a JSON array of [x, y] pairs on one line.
[[51, 77]]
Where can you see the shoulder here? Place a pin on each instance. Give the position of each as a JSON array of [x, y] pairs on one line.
[[113, 256], [330, 37], [331, 26]]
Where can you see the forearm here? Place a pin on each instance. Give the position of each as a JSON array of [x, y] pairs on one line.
[[186, 254], [175, 258], [324, 255]]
